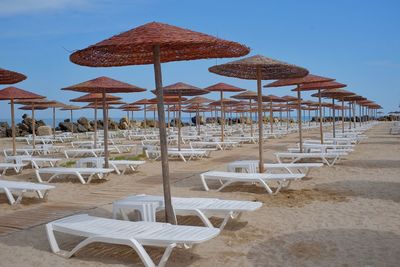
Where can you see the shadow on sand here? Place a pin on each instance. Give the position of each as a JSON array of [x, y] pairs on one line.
[[338, 247]]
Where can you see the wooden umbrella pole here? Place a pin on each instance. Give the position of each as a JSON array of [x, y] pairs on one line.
[[334, 117], [350, 115], [271, 117], [95, 124], [354, 114], [299, 118], [197, 119], [145, 119], [179, 121], [280, 117], [260, 123], [309, 117], [13, 127], [105, 125], [33, 126], [359, 113], [72, 121], [222, 116], [54, 122], [251, 121], [169, 119], [169, 211], [287, 117], [342, 115], [321, 132]]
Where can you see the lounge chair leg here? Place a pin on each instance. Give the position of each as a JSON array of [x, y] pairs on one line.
[[38, 176], [265, 185], [10, 196], [203, 181], [203, 218]]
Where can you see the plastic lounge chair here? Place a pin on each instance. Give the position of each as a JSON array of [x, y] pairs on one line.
[[9, 187], [17, 167], [133, 234], [148, 205], [328, 158], [120, 166], [228, 178], [80, 173]]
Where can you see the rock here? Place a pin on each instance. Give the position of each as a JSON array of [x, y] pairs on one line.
[[44, 130], [201, 120], [112, 125], [84, 122], [175, 123], [66, 126], [123, 124]]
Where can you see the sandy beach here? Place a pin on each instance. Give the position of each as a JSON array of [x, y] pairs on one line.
[[345, 215]]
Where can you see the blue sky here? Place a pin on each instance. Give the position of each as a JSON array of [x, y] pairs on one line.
[[357, 42]]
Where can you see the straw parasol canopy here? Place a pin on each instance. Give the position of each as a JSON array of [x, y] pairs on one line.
[[221, 88], [13, 93], [259, 68], [250, 95], [95, 98], [154, 43], [336, 94], [29, 107], [10, 77], [306, 80], [32, 103], [181, 89], [104, 85]]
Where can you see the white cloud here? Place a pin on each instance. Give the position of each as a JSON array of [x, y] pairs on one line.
[[18, 7]]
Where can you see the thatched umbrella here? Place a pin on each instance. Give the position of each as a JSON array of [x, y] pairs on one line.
[[12, 94], [104, 85], [144, 102], [336, 94], [221, 88], [249, 95], [71, 109], [303, 81], [181, 89], [288, 99], [32, 103], [169, 100], [94, 98], [10, 77], [197, 101], [43, 106], [272, 99], [154, 43], [351, 99], [259, 68]]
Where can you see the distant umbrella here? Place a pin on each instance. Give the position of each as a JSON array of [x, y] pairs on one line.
[[12, 94], [259, 68]]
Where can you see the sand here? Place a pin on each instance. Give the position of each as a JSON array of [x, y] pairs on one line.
[[345, 215]]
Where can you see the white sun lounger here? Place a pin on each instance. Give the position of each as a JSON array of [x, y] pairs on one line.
[[80, 173], [228, 178], [10, 187], [36, 162], [148, 205], [328, 158], [251, 166], [120, 166], [133, 234], [184, 154], [17, 167], [95, 152]]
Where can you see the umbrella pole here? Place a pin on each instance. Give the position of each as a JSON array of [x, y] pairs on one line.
[[145, 119], [95, 124], [251, 121], [169, 211], [354, 114], [280, 117], [222, 116], [169, 119], [105, 125], [13, 127], [321, 132], [197, 120], [260, 123], [287, 117], [334, 117], [33, 126], [54, 122], [359, 113], [342, 116], [299, 118], [179, 121], [271, 117], [309, 117], [350, 115]]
